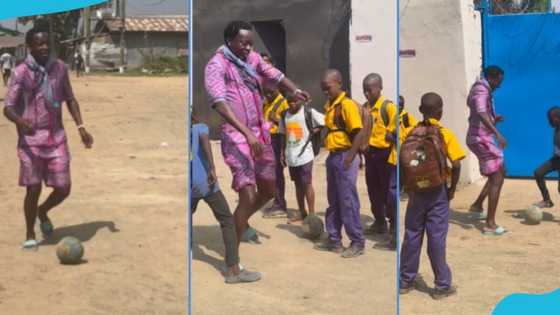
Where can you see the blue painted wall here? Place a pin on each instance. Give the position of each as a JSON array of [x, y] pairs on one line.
[[527, 47]]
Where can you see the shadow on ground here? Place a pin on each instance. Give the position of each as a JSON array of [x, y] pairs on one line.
[[465, 219], [520, 214], [209, 238], [421, 286], [298, 231], [84, 232]]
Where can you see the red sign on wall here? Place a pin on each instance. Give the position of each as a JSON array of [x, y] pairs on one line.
[[364, 38]]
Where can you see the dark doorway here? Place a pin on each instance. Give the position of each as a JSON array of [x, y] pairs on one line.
[[339, 51], [271, 38]]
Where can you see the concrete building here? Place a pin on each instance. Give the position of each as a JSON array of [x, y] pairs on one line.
[[446, 39], [305, 38], [145, 37]]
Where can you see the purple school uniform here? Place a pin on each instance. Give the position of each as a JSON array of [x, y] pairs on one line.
[[344, 203]]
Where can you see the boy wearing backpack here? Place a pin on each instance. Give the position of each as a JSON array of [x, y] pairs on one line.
[[381, 128], [274, 106], [299, 129], [343, 140], [423, 159]]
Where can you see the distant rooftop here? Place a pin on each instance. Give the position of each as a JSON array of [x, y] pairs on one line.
[[7, 41], [151, 23]]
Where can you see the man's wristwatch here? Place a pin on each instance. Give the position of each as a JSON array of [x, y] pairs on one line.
[[298, 91]]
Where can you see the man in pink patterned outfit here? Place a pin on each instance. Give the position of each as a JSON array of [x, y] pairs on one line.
[[233, 81], [36, 91], [481, 141]]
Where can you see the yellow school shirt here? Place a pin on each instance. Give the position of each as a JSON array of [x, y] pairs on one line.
[[268, 107], [338, 140], [402, 131], [411, 120], [379, 130]]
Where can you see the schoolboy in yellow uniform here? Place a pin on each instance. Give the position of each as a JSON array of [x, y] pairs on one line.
[[381, 139], [344, 123], [275, 104], [429, 211]]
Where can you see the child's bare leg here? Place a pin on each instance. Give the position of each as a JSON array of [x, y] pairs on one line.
[[30, 208], [496, 183], [310, 196], [477, 206], [58, 195], [300, 197]]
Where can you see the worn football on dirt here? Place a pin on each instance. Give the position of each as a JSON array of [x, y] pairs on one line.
[[70, 251], [313, 227], [533, 215]]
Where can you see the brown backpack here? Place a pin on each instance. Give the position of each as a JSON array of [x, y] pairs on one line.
[[423, 159]]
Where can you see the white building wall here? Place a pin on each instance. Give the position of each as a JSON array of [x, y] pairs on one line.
[[446, 38], [377, 19]]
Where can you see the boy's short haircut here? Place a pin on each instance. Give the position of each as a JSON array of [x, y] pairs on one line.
[[493, 72], [430, 102], [373, 77]]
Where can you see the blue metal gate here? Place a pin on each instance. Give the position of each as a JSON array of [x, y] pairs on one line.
[[527, 47]]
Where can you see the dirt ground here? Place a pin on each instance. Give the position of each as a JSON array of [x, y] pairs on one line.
[[488, 268], [127, 207], [296, 278]]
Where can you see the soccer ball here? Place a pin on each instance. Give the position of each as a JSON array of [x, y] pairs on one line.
[[312, 227], [533, 215], [70, 251]]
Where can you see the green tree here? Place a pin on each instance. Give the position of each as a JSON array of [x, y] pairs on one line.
[[519, 6]]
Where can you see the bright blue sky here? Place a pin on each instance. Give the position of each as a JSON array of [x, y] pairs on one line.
[[143, 7]]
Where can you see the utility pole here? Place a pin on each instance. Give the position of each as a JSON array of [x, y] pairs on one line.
[[122, 8], [87, 35], [52, 41]]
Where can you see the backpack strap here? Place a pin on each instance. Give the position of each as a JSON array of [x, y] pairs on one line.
[[309, 125], [384, 113], [277, 104], [337, 119], [406, 120]]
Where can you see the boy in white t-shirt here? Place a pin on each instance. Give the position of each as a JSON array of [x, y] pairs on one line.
[[298, 153]]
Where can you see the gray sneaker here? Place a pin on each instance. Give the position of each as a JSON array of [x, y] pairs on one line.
[[438, 294], [329, 246], [352, 251], [243, 276], [377, 228], [544, 204]]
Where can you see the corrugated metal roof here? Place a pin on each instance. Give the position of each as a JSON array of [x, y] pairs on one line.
[[156, 23]]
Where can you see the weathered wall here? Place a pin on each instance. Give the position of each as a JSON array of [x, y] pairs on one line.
[[139, 44], [106, 52], [316, 39], [378, 19], [446, 37]]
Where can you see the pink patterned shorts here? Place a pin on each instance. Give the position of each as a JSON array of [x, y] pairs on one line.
[[490, 156], [244, 168], [50, 164]]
